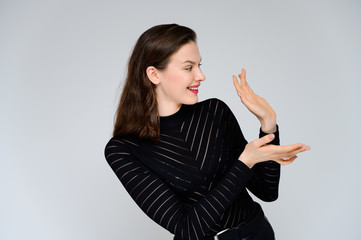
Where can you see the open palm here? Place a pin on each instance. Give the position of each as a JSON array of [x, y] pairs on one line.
[[254, 103]]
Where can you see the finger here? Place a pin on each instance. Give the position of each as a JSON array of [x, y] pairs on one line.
[[236, 83], [286, 162], [301, 149], [290, 148], [285, 153], [238, 87], [242, 77], [245, 86], [264, 140], [243, 73], [244, 82]]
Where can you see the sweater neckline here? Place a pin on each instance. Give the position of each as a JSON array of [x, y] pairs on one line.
[[173, 120]]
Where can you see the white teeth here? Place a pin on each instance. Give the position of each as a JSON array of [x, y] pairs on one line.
[[194, 89]]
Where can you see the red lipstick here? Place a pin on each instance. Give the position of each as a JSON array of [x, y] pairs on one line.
[[193, 89]]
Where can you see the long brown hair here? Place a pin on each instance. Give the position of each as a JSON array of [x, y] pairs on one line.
[[137, 112]]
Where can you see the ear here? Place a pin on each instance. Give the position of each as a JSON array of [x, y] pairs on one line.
[[153, 75]]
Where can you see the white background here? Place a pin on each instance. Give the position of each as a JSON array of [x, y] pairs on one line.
[[61, 68]]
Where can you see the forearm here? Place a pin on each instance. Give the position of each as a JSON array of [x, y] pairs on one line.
[[266, 181], [267, 174]]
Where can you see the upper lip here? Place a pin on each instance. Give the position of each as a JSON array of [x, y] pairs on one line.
[[195, 86]]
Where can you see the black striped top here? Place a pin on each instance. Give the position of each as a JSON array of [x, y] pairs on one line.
[[191, 182]]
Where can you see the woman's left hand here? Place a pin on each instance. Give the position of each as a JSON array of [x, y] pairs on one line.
[[255, 104]]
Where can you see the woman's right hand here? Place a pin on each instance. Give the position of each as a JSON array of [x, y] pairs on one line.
[[257, 151]]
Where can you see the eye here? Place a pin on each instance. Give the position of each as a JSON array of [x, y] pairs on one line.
[[189, 68], [199, 65]]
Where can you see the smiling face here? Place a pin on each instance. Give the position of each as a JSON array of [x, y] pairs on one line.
[[178, 83]]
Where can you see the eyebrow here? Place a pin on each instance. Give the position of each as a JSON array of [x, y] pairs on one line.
[[191, 62]]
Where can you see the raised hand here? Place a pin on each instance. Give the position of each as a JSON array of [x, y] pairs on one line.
[[255, 104], [257, 151]]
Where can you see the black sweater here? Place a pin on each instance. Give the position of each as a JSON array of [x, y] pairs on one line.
[[191, 182]]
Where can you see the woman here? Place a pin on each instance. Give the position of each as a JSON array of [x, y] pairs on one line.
[[186, 164]]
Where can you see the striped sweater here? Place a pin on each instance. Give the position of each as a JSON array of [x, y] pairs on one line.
[[191, 182]]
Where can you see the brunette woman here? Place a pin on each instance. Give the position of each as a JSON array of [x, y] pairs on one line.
[[186, 163]]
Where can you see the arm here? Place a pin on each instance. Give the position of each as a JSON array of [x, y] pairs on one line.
[[265, 180], [160, 203], [257, 155], [265, 183]]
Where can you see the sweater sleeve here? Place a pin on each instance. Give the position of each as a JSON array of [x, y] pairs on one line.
[[266, 175], [160, 202], [265, 182]]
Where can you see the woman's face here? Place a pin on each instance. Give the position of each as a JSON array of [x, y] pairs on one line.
[[179, 82]]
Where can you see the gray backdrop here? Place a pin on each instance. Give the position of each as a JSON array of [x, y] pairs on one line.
[[61, 66]]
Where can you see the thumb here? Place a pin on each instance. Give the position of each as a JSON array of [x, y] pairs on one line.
[[264, 140]]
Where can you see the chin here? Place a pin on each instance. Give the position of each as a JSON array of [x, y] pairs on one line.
[[191, 101]]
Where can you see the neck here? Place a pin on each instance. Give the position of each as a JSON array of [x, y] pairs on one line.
[[167, 109]]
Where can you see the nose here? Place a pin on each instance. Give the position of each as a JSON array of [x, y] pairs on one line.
[[200, 76]]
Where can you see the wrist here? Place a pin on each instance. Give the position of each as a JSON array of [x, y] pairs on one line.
[[245, 161], [268, 125]]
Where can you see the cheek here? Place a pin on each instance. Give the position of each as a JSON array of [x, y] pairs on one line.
[[177, 81]]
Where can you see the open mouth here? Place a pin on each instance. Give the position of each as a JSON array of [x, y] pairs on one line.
[[193, 89]]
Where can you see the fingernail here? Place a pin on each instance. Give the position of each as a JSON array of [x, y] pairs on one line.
[[308, 148], [299, 145], [239, 94], [271, 136]]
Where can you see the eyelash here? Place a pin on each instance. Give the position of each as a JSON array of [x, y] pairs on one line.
[[190, 68]]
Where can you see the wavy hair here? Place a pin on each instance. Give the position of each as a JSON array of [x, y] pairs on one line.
[[137, 112]]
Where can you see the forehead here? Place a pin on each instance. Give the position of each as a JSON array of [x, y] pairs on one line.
[[187, 52]]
